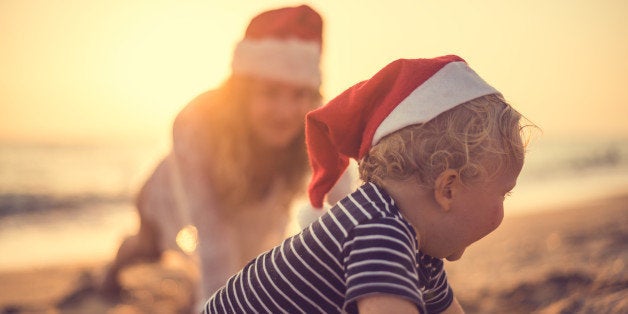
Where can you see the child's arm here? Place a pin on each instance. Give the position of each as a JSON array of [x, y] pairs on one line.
[[386, 303], [454, 308]]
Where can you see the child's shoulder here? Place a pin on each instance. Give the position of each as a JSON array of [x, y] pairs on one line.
[[366, 204], [370, 196]]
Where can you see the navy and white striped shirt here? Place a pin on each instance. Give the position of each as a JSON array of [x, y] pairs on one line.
[[361, 246]]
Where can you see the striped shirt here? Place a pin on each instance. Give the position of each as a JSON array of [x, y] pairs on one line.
[[361, 246]]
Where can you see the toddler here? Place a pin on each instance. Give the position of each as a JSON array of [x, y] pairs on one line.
[[438, 150]]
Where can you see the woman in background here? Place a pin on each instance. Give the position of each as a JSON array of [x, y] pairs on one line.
[[238, 159]]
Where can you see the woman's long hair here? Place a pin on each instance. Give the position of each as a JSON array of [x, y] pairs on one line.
[[243, 170]]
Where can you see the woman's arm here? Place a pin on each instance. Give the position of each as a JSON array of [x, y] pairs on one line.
[[216, 249]]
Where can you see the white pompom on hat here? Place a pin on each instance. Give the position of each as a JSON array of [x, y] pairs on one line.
[[284, 45], [405, 92]]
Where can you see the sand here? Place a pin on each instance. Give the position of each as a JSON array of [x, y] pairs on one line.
[[569, 260], [564, 260]]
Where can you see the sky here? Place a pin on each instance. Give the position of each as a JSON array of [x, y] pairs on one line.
[[87, 70]]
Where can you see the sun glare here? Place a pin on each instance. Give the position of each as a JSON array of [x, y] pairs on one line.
[[187, 239], [123, 68]]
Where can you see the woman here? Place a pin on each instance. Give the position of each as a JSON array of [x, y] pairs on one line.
[[238, 160]]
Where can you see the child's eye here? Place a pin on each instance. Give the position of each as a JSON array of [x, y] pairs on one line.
[[508, 194]]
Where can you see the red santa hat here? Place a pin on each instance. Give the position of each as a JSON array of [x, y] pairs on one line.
[[284, 45], [405, 92]]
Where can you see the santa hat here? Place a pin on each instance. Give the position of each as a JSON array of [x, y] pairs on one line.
[[284, 45], [405, 92]]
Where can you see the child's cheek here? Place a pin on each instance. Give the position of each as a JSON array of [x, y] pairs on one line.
[[490, 221], [496, 218]]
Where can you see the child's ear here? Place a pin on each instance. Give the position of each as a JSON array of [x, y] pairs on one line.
[[444, 188]]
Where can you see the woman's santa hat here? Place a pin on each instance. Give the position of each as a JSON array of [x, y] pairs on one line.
[[284, 45], [405, 92]]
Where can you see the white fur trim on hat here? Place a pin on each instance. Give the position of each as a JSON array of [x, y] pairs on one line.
[[307, 214], [437, 95], [292, 61]]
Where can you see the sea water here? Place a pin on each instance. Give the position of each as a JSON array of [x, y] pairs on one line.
[[66, 203], [561, 172], [69, 203]]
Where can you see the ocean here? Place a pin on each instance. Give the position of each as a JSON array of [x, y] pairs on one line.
[[63, 202]]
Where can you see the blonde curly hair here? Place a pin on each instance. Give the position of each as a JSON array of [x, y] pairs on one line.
[[462, 138]]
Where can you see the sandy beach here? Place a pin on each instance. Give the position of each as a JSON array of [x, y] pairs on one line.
[[563, 260]]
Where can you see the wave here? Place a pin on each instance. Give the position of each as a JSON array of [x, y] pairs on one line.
[[569, 159], [611, 157], [28, 203]]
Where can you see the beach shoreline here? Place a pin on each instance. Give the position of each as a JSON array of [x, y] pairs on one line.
[[571, 259]]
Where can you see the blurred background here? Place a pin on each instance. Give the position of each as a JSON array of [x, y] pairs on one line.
[[89, 89]]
